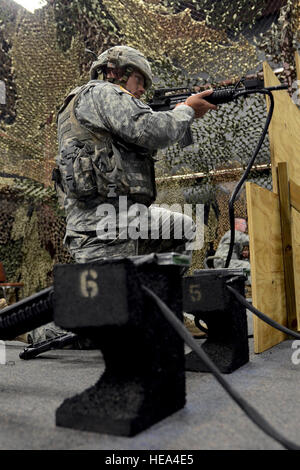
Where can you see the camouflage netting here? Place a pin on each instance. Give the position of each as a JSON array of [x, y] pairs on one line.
[[31, 228], [190, 43]]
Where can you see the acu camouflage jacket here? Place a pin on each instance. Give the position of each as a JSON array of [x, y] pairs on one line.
[[107, 139]]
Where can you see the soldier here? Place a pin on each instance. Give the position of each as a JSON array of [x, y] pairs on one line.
[[241, 240], [245, 252], [107, 142]]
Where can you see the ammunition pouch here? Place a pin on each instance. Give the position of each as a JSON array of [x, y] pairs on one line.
[[77, 172]]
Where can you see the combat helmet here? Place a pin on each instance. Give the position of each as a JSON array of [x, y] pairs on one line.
[[125, 57]]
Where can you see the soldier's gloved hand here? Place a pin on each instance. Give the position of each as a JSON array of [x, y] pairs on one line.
[[200, 105]]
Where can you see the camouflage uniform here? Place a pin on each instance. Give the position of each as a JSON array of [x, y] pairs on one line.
[[107, 142], [115, 137], [241, 239]]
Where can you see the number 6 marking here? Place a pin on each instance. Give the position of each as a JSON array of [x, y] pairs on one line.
[[88, 286]]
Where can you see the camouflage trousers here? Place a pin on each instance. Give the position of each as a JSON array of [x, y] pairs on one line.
[[176, 232]]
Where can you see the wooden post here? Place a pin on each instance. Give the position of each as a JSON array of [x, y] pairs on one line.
[[287, 248]]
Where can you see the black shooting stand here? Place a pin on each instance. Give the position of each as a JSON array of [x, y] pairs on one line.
[[206, 296], [144, 378]]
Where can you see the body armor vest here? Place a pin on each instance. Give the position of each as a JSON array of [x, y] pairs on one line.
[[94, 166]]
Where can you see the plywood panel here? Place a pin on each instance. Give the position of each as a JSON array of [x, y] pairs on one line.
[[267, 273], [271, 301], [296, 258], [283, 131], [265, 231], [294, 195]]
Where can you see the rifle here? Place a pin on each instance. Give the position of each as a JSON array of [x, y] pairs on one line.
[[165, 99], [28, 314], [58, 342]]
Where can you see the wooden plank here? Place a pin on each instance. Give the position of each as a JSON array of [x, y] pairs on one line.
[[267, 270], [283, 131], [287, 243], [296, 257], [297, 60]]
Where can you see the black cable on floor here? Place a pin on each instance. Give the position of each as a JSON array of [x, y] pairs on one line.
[[243, 404]]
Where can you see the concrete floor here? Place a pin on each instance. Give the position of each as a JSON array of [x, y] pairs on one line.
[[30, 392]]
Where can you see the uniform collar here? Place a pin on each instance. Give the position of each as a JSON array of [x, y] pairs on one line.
[[126, 91]]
